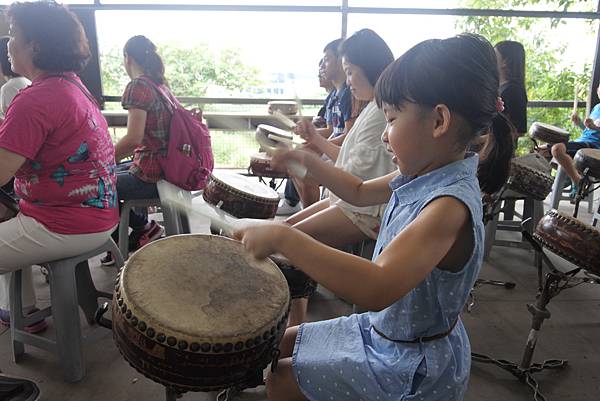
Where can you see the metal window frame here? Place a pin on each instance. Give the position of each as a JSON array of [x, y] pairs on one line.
[[345, 10]]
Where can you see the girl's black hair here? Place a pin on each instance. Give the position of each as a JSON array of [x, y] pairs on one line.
[[513, 55], [368, 51], [460, 72], [4, 63], [143, 51]]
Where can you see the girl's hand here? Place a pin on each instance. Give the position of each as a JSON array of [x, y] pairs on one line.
[[284, 156], [306, 130], [264, 239]]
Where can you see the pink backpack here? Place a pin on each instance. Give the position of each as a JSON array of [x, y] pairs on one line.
[[189, 160]]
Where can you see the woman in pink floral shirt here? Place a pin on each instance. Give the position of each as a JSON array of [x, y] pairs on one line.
[[56, 143]]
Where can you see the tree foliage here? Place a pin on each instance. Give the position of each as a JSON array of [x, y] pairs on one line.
[[190, 71], [547, 76]]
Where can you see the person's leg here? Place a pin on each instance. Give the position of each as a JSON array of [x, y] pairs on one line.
[[281, 384], [331, 227], [298, 311], [25, 242], [307, 212], [308, 190], [129, 187], [559, 152], [290, 193]]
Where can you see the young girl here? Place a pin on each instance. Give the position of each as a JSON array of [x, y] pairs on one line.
[[333, 221], [437, 98]]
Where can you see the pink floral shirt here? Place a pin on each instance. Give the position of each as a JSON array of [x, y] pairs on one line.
[[68, 181]]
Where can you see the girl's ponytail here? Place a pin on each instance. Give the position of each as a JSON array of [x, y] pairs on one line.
[[494, 163]]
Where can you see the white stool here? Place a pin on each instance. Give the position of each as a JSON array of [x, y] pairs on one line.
[[71, 287], [176, 221]]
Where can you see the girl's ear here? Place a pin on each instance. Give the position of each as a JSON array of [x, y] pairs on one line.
[[441, 120]]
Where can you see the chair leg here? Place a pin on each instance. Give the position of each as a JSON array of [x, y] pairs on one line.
[[65, 312], [87, 293], [124, 231], [17, 322], [557, 187]]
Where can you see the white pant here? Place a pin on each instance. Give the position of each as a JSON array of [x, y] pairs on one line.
[[25, 242]]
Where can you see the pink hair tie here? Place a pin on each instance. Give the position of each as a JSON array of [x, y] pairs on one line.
[[499, 105]]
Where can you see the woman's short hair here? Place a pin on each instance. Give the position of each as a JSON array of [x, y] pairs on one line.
[[4, 62], [368, 51], [60, 43]]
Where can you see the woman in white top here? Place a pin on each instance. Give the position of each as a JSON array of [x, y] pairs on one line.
[[14, 82], [332, 221]]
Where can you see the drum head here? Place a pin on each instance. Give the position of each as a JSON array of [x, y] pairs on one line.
[[204, 287], [588, 158], [270, 145], [245, 185], [548, 127]]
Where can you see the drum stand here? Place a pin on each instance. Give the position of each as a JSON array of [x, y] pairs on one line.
[[586, 186], [555, 281], [491, 208]]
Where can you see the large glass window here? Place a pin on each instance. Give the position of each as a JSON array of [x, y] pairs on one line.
[[556, 5], [232, 2], [215, 54]]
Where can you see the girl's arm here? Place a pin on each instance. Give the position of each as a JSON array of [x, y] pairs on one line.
[[348, 187], [402, 265], [136, 123]]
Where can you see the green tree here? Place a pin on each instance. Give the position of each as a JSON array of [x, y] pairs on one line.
[[547, 76], [189, 70]]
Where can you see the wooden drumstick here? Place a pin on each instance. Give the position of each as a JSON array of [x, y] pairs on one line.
[[169, 195], [575, 100]]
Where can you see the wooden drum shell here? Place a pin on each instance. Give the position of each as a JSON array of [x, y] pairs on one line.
[[548, 133], [571, 239], [588, 158], [529, 181], [187, 360], [238, 202], [260, 165]]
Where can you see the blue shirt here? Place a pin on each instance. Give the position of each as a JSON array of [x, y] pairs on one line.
[[589, 135], [339, 110], [346, 359]]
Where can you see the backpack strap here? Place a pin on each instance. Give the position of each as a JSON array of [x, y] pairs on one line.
[[81, 88], [174, 104]]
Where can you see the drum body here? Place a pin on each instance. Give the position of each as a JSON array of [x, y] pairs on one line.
[[588, 158], [240, 196], [299, 283], [9, 207], [530, 175], [568, 237], [548, 133], [283, 106], [269, 145], [198, 313], [260, 165]]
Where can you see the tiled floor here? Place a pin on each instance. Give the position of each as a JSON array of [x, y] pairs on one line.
[[498, 325]]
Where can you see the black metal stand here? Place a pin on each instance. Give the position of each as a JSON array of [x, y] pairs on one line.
[[549, 286], [586, 186]]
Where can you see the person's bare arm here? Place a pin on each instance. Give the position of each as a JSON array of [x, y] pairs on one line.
[[136, 124], [400, 267], [10, 162]]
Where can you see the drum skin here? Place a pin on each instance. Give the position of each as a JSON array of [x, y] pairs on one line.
[[197, 313], [527, 178], [240, 196], [568, 237], [260, 165], [548, 133], [299, 283], [588, 158]]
